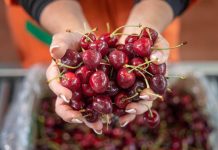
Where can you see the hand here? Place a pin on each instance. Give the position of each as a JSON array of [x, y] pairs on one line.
[[60, 43], [138, 108]]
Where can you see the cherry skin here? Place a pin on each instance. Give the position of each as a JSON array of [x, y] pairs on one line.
[[99, 81], [71, 58], [100, 46], [91, 58], [83, 73], [157, 69], [158, 84], [77, 104], [111, 40], [118, 111], [135, 62], [90, 115], [104, 67], [121, 101], [84, 41], [152, 121], [87, 90], [142, 47], [136, 88], [153, 34], [125, 79], [131, 38], [112, 89], [117, 59], [71, 81], [102, 104], [77, 95]]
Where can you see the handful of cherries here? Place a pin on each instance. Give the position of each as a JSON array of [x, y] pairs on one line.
[[105, 76]]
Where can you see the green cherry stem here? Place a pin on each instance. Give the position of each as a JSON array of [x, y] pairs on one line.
[[146, 81], [116, 30], [150, 112], [87, 37], [168, 48], [70, 67], [128, 98], [147, 62]]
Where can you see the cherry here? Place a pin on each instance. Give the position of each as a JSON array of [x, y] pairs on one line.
[[129, 50], [157, 69], [125, 79], [87, 90], [90, 115], [158, 84], [153, 34], [112, 89], [117, 59], [71, 58], [76, 95], [135, 62], [121, 100], [100, 46], [86, 40], [99, 81], [136, 88], [83, 73], [104, 67], [131, 38], [102, 104], [71, 81], [152, 118], [91, 58], [118, 111], [142, 47], [77, 104], [111, 40]]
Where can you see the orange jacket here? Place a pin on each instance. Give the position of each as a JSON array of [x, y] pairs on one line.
[[32, 50]]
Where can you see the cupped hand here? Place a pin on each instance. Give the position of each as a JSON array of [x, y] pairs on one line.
[[60, 43]]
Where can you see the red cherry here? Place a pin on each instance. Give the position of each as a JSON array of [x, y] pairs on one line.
[[136, 88], [100, 46], [153, 34], [91, 58], [152, 120], [125, 79], [157, 69], [118, 111], [104, 67], [83, 73], [102, 104], [112, 89], [111, 40], [158, 84], [90, 115], [142, 47], [131, 38], [87, 90], [99, 81], [70, 81], [77, 104], [84, 41], [77, 95], [117, 59], [71, 58], [135, 62], [121, 101]]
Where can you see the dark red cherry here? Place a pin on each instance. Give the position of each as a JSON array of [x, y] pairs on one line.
[[90, 115], [100, 46], [135, 62], [136, 88], [99, 81], [83, 73], [84, 41], [118, 111], [131, 38], [152, 120], [129, 50], [117, 59], [71, 58], [157, 69], [142, 47], [77, 95], [111, 40], [87, 90], [77, 104], [105, 67], [158, 84], [71, 81], [153, 34], [112, 89], [102, 104], [125, 79], [91, 58], [121, 100]]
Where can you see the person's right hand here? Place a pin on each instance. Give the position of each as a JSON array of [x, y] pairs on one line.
[[60, 43]]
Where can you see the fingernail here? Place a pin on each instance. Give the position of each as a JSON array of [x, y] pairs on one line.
[[64, 98], [131, 111], [156, 57], [99, 132], [53, 47], [124, 124], [76, 121], [144, 97]]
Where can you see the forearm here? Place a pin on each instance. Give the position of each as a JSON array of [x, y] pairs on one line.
[[61, 15]]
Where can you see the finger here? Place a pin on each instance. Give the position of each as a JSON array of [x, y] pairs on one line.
[[138, 108], [160, 56], [54, 84], [124, 120], [96, 126], [63, 41], [66, 112]]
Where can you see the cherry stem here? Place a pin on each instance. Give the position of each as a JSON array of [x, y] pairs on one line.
[[150, 112], [180, 77], [87, 115], [167, 48], [87, 37], [128, 98], [70, 67], [108, 27], [82, 110], [157, 95], [146, 81], [121, 34], [116, 30], [135, 67], [59, 76]]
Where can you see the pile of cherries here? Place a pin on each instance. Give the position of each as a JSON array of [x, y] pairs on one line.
[[105, 76]]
